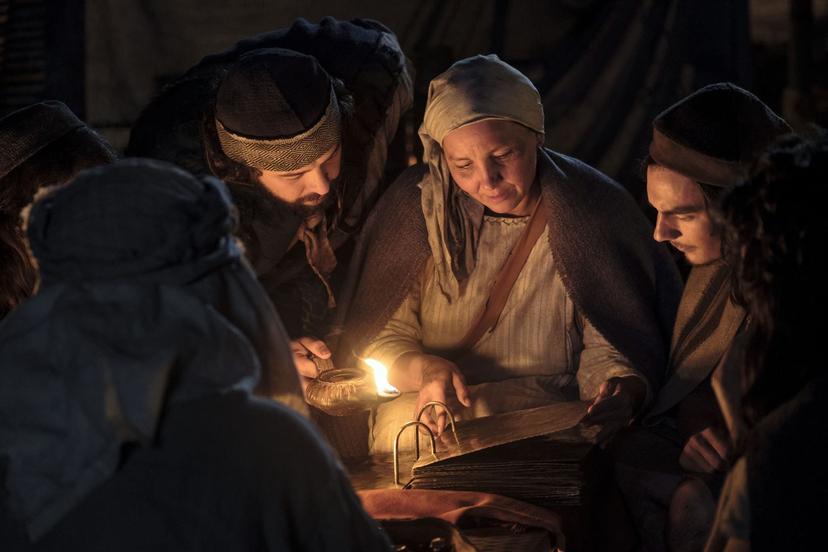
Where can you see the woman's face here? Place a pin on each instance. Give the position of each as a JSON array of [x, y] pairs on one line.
[[494, 161]]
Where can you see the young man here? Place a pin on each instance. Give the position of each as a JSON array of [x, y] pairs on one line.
[[701, 145], [297, 122]]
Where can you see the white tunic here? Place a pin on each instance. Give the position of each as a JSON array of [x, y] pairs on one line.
[[541, 349]]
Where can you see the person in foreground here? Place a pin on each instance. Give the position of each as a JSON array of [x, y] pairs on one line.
[[590, 310], [126, 415], [775, 232]]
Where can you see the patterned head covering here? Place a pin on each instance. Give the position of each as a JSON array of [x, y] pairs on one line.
[[145, 301], [470, 91], [277, 110]]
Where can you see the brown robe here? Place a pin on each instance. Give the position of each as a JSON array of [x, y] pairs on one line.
[[646, 458], [622, 281], [706, 326]]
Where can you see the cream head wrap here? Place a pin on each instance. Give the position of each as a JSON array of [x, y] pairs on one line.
[[471, 90]]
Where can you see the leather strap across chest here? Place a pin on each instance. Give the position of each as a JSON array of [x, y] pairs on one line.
[[506, 278]]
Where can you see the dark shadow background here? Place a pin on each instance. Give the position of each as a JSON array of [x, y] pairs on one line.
[[605, 68]]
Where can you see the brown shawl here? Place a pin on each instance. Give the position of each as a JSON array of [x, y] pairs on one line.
[[706, 325], [622, 281]]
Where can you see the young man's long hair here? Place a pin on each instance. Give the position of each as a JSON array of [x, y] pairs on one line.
[[775, 238]]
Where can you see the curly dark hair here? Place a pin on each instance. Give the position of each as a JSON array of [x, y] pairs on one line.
[[775, 236], [17, 273], [57, 163]]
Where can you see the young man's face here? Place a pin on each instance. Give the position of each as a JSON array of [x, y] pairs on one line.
[[307, 188], [683, 217]]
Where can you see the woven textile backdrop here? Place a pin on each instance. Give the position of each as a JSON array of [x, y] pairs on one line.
[[604, 68]]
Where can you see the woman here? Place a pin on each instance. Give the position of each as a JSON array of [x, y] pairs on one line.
[[775, 235], [589, 312], [41, 145]]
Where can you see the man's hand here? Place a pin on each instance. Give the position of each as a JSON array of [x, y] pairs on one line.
[[442, 381], [304, 349], [617, 402], [707, 451]]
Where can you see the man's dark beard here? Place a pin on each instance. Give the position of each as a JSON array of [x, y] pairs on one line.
[[305, 210], [258, 198]]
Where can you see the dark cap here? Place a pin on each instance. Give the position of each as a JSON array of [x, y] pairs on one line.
[[276, 110], [26, 131], [714, 135]]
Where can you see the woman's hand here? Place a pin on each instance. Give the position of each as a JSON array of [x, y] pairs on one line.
[[616, 404], [440, 380]]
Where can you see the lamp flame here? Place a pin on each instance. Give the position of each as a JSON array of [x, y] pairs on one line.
[[384, 389]]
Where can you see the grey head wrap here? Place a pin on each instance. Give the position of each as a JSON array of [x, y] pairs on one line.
[[471, 90], [145, 302]]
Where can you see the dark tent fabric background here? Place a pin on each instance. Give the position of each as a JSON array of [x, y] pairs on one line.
[[604, 68]]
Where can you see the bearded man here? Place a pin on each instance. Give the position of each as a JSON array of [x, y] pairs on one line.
[[297, 122]]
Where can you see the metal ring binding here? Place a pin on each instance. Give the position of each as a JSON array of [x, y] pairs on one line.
[[417, 440], [435, 404]]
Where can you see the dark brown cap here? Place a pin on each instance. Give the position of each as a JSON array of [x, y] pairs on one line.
[[714, 135], [276, 110]]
